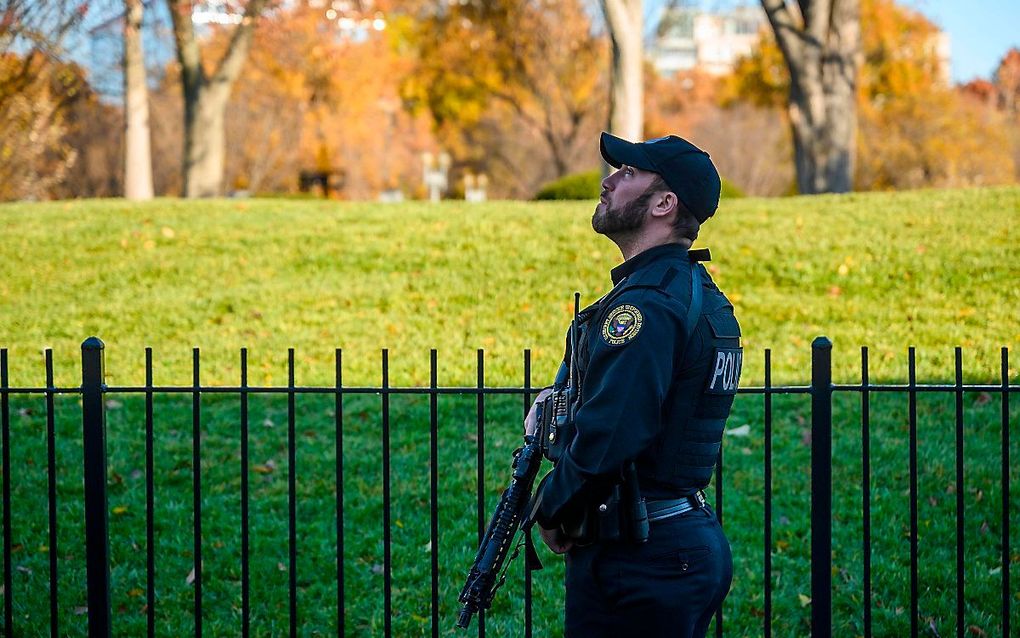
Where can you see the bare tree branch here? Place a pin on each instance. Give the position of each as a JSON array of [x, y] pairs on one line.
[[789, 35], [188, 52], [240, 41]]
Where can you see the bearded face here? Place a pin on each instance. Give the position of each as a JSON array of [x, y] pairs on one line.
[[611, 220]]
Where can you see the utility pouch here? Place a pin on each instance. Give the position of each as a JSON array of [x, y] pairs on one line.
[[609, 517], [556, 425], [637, 510]]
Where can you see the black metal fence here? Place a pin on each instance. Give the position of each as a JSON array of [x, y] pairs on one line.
[[94, 389]]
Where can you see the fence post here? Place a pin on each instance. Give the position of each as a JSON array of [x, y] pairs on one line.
[[97, 537], [821, 487]]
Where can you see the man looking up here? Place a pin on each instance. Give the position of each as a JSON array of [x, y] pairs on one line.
[[657, 365]]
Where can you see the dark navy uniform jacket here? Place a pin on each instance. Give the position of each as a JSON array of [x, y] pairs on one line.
[[647, 393]]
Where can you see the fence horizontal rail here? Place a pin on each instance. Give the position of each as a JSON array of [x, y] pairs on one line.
[[282, 389]]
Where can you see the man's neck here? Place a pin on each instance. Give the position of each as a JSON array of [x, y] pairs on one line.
[[631, 246]]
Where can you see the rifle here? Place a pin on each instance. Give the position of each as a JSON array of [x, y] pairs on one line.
[[554, 416], [488, 572]]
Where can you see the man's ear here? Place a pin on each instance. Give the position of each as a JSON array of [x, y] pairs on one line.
[[665, 204]]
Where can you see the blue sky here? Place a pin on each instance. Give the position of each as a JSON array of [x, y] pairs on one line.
[[980, 31]]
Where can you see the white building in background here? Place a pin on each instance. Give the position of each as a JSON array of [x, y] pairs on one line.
[[942, 47], [690, 38]]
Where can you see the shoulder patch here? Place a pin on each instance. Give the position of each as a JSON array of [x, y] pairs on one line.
[[726, 366], [622, 324]]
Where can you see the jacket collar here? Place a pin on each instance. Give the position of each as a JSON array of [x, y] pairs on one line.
[[655, 253]]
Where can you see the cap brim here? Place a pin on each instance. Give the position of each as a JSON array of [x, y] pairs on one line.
[[618, 151]]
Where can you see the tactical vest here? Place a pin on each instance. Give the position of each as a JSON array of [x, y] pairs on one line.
[[704, 384]]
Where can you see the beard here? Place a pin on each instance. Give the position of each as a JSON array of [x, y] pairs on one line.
[[625, 219]]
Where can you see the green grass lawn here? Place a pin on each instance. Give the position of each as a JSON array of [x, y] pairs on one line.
[[932, 269], [929, 268]]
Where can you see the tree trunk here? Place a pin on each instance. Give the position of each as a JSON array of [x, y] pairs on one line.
[[137, 153], [204, 143], [626, 102], [822, 53], [205, 96]]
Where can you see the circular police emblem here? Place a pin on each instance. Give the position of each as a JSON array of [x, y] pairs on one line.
[[622, 325]]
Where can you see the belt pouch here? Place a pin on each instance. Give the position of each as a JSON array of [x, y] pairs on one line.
[[637, 512], [609, 517]]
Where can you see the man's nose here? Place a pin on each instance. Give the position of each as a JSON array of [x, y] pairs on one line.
[[607, 183]]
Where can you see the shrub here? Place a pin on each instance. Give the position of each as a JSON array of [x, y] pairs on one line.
[[588, 185], [730, 190]]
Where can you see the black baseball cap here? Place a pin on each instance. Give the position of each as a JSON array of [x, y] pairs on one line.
[[687, 169]]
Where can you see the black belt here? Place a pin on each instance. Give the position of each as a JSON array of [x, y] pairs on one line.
[[659, 510]]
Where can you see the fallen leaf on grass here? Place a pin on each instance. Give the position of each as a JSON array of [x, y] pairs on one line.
[[120, 510], [267, 468], [377, 569], [135, 592], [191, 577], [804, 600], [81, 611], [974, 630], [743, 430]]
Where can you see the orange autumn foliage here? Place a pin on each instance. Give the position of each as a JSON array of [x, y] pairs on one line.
[[914, 129], [312, 99]]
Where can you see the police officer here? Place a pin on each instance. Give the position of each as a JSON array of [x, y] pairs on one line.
[[658, 360]]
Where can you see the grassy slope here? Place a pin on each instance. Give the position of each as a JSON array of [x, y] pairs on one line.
[[929, 268], [273, 274]]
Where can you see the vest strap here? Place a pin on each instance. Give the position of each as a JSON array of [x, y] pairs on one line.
[[694, 310]]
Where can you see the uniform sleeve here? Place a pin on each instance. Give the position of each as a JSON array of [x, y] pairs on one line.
[[628, 376]]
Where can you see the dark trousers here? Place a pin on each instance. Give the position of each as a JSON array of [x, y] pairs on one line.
[[670, 586]]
